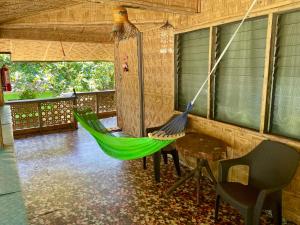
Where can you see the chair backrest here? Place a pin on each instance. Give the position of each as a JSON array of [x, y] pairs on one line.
[[272, 164]]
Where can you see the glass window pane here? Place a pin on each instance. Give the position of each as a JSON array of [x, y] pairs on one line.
[[192, 69], [239, 76], [285, 114]]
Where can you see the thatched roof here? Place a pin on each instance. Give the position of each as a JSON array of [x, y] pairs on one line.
[[41, 24]]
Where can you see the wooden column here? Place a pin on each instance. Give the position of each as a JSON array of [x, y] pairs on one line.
[[267, 83], [211, 61], [141, 82], [1, 96]]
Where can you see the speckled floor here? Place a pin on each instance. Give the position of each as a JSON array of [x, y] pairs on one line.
[[66, 180]]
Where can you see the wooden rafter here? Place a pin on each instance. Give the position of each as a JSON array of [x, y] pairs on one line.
[[102, 24], [154, 6], [54, 35], [12, 9]]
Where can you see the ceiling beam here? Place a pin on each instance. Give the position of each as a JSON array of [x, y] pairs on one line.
[[23, 8], [55, 35], [103, 24], [148, 5]]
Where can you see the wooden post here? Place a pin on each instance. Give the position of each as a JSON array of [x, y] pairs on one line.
[[2, 102], [141, 82], [267, 83], [75, 123], [97, 104], [211, 61], [40, 116]]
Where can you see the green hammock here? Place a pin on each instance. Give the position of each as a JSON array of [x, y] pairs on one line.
[[126, 148], [123, 148]]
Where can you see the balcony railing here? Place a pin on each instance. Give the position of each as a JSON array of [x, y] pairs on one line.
[[43, 115]]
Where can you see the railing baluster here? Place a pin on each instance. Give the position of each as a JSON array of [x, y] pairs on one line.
[[97, 103], [40, 116]]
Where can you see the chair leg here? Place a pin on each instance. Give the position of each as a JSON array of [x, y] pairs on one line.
[[217, 207], [249, 219], [277, 214], [145, 163], [197, 177], [165, 156], [175, 156]]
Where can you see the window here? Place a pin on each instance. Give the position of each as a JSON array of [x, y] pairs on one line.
[[285, 108], [191, 60], [239, 76]]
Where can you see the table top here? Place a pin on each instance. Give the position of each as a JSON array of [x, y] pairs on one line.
[[201, 146]]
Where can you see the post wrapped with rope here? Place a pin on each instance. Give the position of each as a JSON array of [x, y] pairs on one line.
[[122, 28]]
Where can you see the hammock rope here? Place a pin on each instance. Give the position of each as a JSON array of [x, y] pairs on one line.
[[127, 148], [179, 123]]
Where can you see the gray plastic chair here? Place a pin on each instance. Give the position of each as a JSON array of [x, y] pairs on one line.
[[272, 166]]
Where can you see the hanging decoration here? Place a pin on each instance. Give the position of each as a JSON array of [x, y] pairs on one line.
[[123, 28], [125, 64], [166, 37], [5, 79]]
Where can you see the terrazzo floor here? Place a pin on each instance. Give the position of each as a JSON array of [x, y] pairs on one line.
[[67, 179]]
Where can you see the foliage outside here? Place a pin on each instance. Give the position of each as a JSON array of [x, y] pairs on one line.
[[46, 79]]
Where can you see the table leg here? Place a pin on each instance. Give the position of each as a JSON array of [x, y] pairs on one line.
[[181, 181], [156, 164], [198, 176], [144, 163], [211, 175]]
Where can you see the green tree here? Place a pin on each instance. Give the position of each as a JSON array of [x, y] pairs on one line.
[[59, 77]]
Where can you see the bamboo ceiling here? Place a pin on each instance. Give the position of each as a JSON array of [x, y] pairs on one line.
[[45, 24]]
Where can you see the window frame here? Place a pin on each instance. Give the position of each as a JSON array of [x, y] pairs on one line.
[[268, 82]]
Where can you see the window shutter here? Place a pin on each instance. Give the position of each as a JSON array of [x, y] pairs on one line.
[[285, 114], [239, 76], [191, 62]]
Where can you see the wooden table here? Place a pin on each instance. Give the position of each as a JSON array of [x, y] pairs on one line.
[[203, 148]]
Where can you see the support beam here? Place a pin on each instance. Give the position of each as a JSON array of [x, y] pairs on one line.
[[55, 35], [269, 62], [106, 25], [211, 80], [179, 8]]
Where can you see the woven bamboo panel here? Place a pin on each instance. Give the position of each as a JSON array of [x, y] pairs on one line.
[[25, 115], [22, 50], [220, 10], [89, 12], [127, 84], [87, 101], [11, 9], [99, 102], [158, 79], [106, 102], [56, 113]]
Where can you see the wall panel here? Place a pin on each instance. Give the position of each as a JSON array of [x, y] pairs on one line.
[[158, 80], [127, 84]]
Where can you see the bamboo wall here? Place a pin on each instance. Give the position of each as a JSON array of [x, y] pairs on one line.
[[31, 50], [158, 80], [241, 140], [127, 84]]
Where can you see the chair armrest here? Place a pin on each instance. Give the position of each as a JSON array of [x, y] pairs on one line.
[[225, 165]]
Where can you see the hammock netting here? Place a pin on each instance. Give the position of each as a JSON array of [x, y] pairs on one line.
[[123, 148]]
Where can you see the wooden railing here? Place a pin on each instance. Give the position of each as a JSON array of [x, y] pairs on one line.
[[43, 115]]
